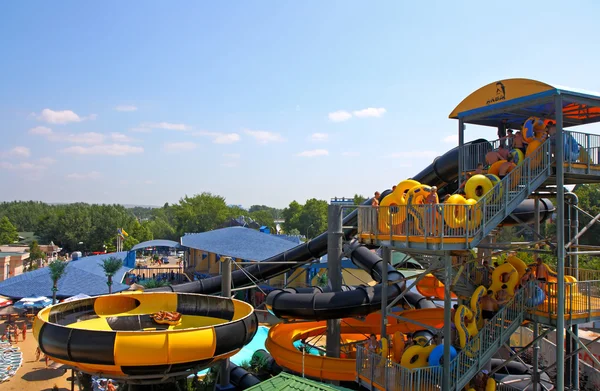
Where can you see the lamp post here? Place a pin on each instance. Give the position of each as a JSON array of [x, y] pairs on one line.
[[309, 227]]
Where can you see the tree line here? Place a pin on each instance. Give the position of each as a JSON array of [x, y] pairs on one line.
[[93, 227]]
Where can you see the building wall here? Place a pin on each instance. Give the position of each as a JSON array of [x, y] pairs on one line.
[[16, 266], [4, 262]]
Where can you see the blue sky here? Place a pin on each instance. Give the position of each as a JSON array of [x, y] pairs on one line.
[[261, 102]]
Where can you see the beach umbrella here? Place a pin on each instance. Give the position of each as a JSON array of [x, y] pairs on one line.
[[4, 301], [76, 297], [11, 310], [33, 302]]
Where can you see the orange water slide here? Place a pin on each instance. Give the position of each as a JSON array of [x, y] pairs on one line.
[[430, 286], [280, 342]]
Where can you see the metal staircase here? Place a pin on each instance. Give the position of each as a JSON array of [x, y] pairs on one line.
[[450, 227], [461, 283], [514, 188], [490, 338]]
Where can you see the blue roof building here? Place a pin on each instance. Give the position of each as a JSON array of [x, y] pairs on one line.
[[238, 242], [84, 275]]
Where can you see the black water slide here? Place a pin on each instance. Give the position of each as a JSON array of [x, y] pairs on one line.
[[442, 172], [318, 303]]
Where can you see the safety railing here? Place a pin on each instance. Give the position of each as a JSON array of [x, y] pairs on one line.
[[582, 274], [474, 154], [457, 223], [376, 372], [582, 300], [480, 349]]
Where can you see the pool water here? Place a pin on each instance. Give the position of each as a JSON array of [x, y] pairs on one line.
[[245, 354]]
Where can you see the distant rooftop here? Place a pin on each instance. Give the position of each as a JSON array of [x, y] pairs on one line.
[[238, 242], [84, 275], [11, 254]]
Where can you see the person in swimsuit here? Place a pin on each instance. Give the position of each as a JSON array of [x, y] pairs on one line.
[[502, 296], [503, 152], [489, 305], [519, 143], [503, 170], [373, 344], [492, 157], [375, 200]]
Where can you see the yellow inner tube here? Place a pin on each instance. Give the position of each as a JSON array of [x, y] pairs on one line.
[[475, 307], [415, 198], [477, 186], [416, 356], [466, 325]]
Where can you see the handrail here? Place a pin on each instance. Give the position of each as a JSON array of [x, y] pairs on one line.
[[489, 339], [582, 300], [371, 369], [440, 223]]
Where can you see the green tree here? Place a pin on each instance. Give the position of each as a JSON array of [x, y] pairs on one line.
[[161, 229], [129, 242], [141, 232], [57, 270], [111, 266], [263, 217], [589, 200], [36, 254], [291, 215], [274, 212], [359, 199], [313, 218], [8, 232], [200, 213]]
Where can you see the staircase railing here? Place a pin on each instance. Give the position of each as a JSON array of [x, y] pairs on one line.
[[377, 372], [439, 224], [490, 338]]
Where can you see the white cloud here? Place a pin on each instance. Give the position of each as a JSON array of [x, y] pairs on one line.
[[58, 117], [264, 137], [120, 138], [79, 138], [180, 146], [40, 130], [220, 138], [370, 112], [165, 125], [319, 137], [62, 116], [104, 149], [140, 130], [47, 160], [84, 176], [126, 108], [20, 152], [232, 155], [339, 116], [413, 154], [451, 139], [351, 154], [25, 166], [314, 153]]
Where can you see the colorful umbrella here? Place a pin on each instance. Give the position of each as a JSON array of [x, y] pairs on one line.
[[33, 302]]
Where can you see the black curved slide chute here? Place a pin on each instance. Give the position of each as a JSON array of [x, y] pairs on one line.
[[441, 172], [319, 304]]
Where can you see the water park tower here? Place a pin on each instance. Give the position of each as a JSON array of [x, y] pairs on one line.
[[443, 236]]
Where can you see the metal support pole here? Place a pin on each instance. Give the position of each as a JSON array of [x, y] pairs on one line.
[[560, 244], [225, 292], [536, 356], [387, 258], [574, 216], [536, 214], [536, 327], [447, 378], [334, 273], [461, 158]]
